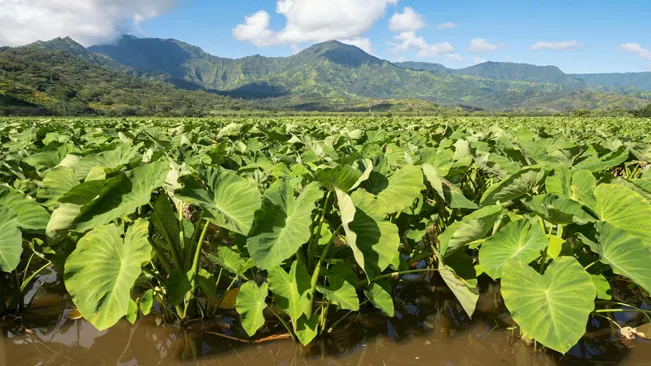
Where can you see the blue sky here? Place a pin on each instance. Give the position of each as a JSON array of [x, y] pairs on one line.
[[577, 36]]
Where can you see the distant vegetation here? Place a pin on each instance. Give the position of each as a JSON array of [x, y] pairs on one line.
[[155, 77]]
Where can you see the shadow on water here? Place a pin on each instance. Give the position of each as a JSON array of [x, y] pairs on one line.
[[430, 328]]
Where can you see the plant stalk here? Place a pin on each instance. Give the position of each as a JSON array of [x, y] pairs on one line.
[[311, 252]]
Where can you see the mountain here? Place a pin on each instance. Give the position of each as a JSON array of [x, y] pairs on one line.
[[640, 80], [333, 70], [326, 76], [507, 71], [41, 79]]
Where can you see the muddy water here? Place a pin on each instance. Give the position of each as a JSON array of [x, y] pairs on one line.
[[428, 331]]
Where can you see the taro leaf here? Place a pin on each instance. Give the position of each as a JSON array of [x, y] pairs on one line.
[[178, 286], [207, 283], [513, 187], [340, 292], [553, 308], [583, 186], [231, 261], [132, 311], [471, 228], [374, 242], [121, 195], [560, 182], [455, 198], [621, 207], [147, 302], [307, 329], [380, 296], [101, 271], [56, 183], [558, 210], [230, 201], [291, 289], [518, 241], [11, 241], [31, 216], [625, 253], [166, 221], [464, 292], [602, 286], [433, 178], [250, 305], [595, 164], [47, 159], [344, 177], [395, 194], [110, 159], [283, 223]]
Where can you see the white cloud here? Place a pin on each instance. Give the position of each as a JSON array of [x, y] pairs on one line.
[[637, 49], [410, 42], [454, 57], [481, 45], [556, 46], [86, 21], [361, 42], [478, 60], [313, 21], [408, 20], [447, 25]]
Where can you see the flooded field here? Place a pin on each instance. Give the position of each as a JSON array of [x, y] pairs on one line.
[[429, 329]]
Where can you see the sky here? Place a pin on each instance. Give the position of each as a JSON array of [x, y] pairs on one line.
[[579, 36]]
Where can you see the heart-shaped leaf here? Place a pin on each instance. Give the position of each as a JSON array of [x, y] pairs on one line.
[[30, 215], [283, 223], [517, 241], [101, 271], [625, 209], [552, 308], [250, 305], [290, 289], [229, 201], [11, 241]]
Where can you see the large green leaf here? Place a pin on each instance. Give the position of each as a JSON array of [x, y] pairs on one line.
[[374, 241], [291, 289], [513, 187], [625, 253], [11, 241], [625, 209], [552, 308], [121, 196], [56, 183], [558, 210], [307, 328], [101, 271], [283, 223], [380, 296], [472, 227], [340, 292], [582, 188], [518, 241], [228, 201], [231, 261], [31, 216], [464, 292], [250, 304], [395, 193]]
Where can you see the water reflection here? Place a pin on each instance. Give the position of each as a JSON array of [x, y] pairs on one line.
[[430, 329]]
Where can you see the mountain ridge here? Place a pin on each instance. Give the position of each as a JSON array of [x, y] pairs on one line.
[[334, 71]]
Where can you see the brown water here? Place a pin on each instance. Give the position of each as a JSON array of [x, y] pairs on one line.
[[429, 330]]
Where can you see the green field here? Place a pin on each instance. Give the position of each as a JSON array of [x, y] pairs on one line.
[[308, 220]]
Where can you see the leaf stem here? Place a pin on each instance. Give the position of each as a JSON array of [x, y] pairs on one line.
[[160, 253], [284, 323], [315, 240], [622, 311], [197, 253], [332, 327], [589, 265], [317, 271], [30, 278]]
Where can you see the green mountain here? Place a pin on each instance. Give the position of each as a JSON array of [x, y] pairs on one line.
[[41, 79], [640, 80], [333, 70], [507, 71], [326, 76]]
